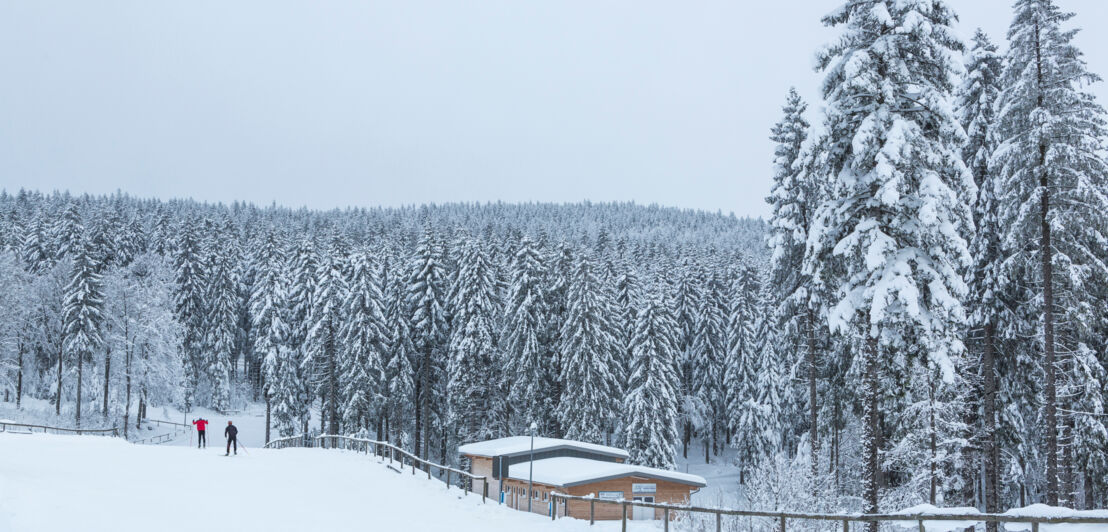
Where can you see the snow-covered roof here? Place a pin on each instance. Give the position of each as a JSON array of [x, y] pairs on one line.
[[515, 445], [566, 471]]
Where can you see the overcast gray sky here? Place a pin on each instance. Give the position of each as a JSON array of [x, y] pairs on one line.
[[341, 103]]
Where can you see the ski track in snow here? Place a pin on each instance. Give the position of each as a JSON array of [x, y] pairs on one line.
[[52, 483]]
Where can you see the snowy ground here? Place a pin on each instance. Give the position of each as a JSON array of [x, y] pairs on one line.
[[65, 483], [722, 476]]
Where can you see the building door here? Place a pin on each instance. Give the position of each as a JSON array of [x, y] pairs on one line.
[[641, 513]]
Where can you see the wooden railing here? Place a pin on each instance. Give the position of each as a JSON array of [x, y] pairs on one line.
[[6, 427], [163, 438], [672, 511], [394, 454]]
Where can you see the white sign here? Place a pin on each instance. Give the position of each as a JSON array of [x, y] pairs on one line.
[[644, 488], [611, 495]]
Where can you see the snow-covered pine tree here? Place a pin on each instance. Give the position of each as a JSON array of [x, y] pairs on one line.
[[896, 219], [471, 368], [323, 340], [560, 273], [221, 317], [365, 343], [688, 300], [37, 254], [1053, 209], [399, 373], [794, 198], [301, 294], [708, 355], [426, 300], [743, 372], [84, 302], [590, 393], [526, 367], [976, 112], [269, 309], [68, 233], [190, 305], [650, 408]]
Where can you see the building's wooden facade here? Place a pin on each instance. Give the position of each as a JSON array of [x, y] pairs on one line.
[[574, 468], [660, 491], [495, 458]]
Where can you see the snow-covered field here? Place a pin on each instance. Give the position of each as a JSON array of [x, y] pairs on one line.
[[90, 484]]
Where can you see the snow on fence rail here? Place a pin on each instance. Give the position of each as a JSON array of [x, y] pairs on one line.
[[385, 450], [6, 426], [904, 520]]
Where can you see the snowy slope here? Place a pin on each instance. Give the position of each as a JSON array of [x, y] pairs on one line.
[[66, 483]]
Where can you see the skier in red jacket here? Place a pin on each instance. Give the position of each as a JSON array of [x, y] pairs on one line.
[[201, 424]]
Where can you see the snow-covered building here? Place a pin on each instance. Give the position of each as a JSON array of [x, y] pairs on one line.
[[603, 480], [494, 458], [574, 468]]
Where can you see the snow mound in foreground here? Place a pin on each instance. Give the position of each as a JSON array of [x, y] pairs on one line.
[[51, 483]]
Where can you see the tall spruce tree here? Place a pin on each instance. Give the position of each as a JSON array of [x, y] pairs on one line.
[[472, 370], [590, 394], [526, 366], [794, 198], [323, 340], [269, 311], [364, 342], [1053, 208], [427, 300], [897, 218], [84, 302], [650, 408], [976, 112]]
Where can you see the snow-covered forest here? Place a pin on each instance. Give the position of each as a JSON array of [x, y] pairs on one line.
[[923, 318]]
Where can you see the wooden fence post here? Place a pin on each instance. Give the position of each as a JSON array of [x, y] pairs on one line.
[[447, 480], [783, 524], [921, 527], [846, 525], [554, 507], [1034, 526], [484, 489], [665, 517], [624, 505], [592, 511], [719, 522]]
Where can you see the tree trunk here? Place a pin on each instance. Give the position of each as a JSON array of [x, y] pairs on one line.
[[933, 443], [813, 410], [58, 399], [19, 379], [267, 417], [127, 391], [419, 413], [107, 379], [332, 379], [685, 440], [1051, 399], [991, 458], [80, 376], [870, 427]]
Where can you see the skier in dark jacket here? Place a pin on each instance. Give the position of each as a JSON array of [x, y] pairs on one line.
[[231, 432]]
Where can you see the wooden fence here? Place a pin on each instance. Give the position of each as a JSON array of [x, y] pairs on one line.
[[673, 511], [394, 454], [163, 438], [26, 428]]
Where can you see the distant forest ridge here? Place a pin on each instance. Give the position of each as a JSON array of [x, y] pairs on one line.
[[578, 222]]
